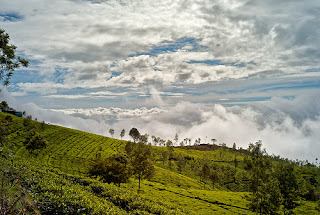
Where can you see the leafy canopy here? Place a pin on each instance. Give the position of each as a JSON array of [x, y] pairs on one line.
[[8, 59]]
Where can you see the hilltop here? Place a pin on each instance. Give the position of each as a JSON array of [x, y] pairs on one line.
[[45, 170]]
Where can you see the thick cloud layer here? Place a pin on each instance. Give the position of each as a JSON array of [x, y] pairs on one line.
[[287, 127]]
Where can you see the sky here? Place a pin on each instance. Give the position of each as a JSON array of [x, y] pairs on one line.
[[238, 71]]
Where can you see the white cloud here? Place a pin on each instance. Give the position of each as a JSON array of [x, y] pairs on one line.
[[107, 93], [41, 88], [97, 45], [66, 96], [16, 94], [287, 127], [86, 37]]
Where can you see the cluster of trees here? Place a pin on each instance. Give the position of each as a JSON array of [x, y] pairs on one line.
[[275, 184], [270, 185], [119, 168], [122, 133]]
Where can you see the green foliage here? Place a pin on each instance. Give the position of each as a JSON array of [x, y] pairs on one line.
[[114, 169], [27, 122], [141, 163], [135, 134], [35, 141], [8, 60], [318, 206], [5, 130], [204, 172], [265, 197], [181, 162], [122, 133], [56, 182], [111, 131], [144, 138], [129, 147], [3, 106], [289, 187], [15, 198]]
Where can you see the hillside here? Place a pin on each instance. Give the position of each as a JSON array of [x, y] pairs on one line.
[[54, 179]]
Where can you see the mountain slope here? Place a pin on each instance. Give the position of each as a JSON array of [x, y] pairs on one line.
[[56, 177]]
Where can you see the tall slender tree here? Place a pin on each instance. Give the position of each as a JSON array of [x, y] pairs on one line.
[[122, 133], [176, 138], [111, 131], [141, 162]]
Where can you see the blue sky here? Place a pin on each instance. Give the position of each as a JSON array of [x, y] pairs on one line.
[[76, 48], [87, 55]]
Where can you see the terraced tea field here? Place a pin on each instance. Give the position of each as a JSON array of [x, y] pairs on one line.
[[59, 176], [70, 150]]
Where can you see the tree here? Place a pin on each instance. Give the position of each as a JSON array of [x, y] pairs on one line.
[[129, 147], [155, 140], [28, 123], [122, 133], [43, 125], [111, 131], [3, 106], [169, 146], [215, 175], [289, 186], [141, 163], [113, 169], [144, 138], [35, 141], [176, 138], [234, 146], [235, 161], [265, 197], [204, 172], [213, 141], [181, 162], [181, 144], [164, 156], [135, 134], [8, 60], [186, 140], [161, 142]]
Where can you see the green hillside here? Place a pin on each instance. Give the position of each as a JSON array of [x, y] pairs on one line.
[[54, 179]]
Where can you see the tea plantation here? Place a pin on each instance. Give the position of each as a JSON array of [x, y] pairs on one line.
[[44, 170]]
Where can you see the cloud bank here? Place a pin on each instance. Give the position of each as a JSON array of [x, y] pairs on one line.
[[287, 127]]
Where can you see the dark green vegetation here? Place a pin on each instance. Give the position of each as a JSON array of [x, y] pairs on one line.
[[45, 170], [8, 59]]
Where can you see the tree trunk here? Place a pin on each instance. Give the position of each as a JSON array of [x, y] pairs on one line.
[[139, 182]]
